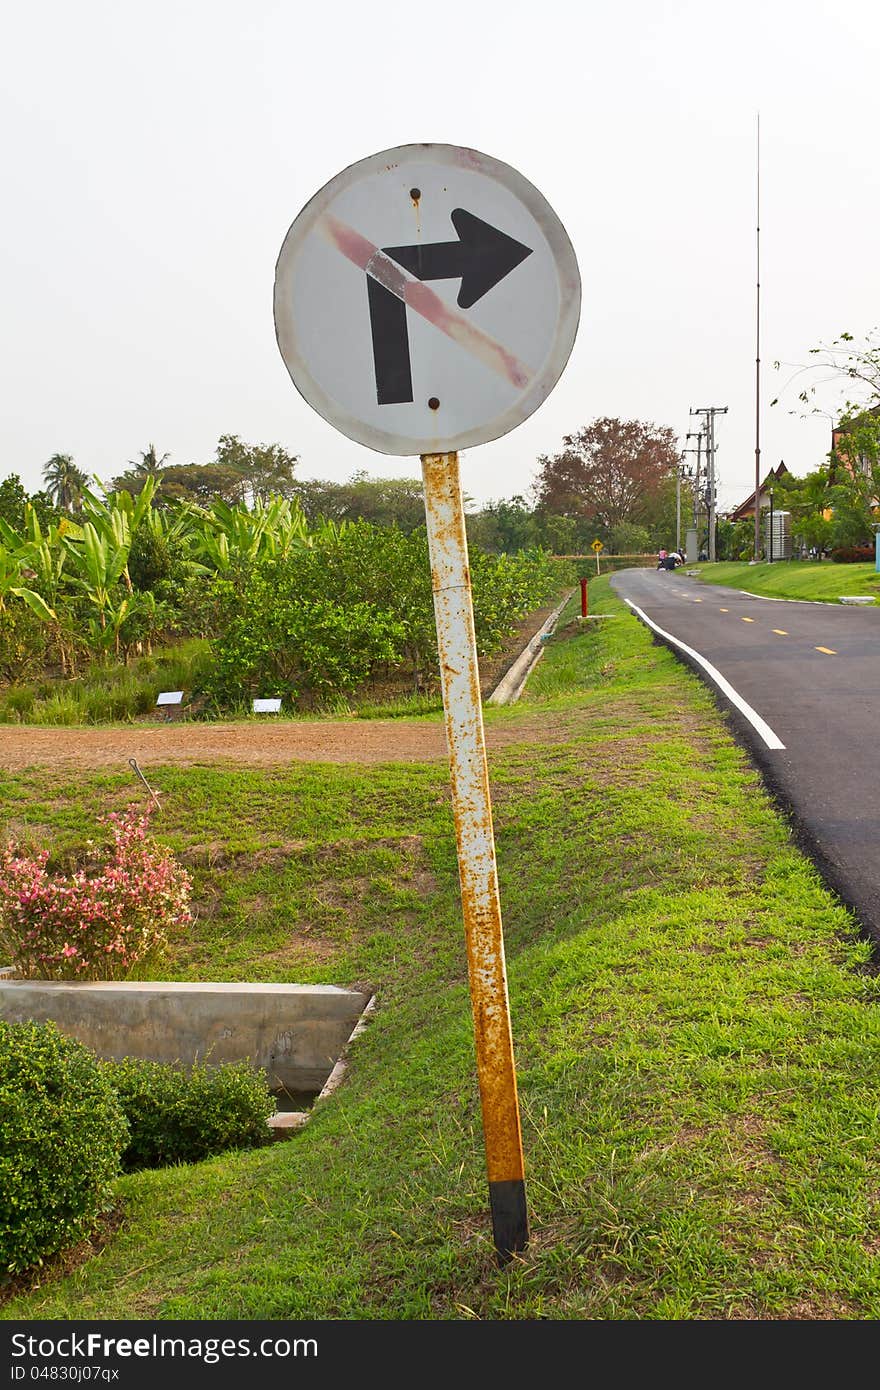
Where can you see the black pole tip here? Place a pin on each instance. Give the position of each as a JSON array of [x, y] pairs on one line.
[[510, 1220]]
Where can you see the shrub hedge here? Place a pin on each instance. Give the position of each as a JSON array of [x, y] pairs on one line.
[[62, 1132], [183, 1115]]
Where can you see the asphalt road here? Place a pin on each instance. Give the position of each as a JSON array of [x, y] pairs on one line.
[[810, 672]]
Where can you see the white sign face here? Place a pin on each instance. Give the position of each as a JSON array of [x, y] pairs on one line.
[[426, 300], [170, 697], [270, 706]]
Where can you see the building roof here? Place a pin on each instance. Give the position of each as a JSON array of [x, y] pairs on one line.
[[842, 429], [747, 508]]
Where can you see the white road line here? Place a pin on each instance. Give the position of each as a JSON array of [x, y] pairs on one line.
[[771, 598], [758, 724]]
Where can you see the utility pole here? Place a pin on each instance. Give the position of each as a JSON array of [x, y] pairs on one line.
[[698, 436], [693, 547], [709, 412], [678, 467]]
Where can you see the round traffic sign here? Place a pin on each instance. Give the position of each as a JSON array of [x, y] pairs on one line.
[[427, 299]]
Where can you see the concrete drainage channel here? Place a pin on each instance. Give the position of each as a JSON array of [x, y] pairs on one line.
[[299, 1035], [512, 684]]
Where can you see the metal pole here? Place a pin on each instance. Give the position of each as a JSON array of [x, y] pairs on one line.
[[697, 488], [678, 468], [460, 680], [758, 349], [710, 411], [771, 526], [711, 481]]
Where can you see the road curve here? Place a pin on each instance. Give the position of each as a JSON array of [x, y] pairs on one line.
[[810, 672]]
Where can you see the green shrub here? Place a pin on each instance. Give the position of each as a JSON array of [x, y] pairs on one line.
[[315, 624], [18, 702], [62, 1132], [182, 1115], [61, 708], [22, 643]]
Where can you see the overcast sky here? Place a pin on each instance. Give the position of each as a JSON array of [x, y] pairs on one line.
[[154, 156]]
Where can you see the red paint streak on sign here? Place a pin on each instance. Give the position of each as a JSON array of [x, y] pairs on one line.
[[420, 298], [352, 245]]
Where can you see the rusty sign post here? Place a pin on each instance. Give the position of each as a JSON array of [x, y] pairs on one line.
[[460, 679], [409, 369]]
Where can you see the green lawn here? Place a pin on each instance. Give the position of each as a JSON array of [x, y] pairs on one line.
[[810, 579], [695, 1023]]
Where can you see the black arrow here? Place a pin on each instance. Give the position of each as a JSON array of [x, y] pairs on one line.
[[481, 257]]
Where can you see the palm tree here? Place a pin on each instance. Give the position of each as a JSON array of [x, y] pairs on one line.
[[64, 482], [149, 464]]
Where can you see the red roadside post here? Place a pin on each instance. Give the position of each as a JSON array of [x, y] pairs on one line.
[[583, 598]]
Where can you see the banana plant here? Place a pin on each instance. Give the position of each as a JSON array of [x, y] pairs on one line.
[[114, 520], [270, 530], [11, 576], [99, 562], [98, 553], [40, 556]]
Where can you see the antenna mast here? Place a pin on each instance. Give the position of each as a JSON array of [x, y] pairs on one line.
[[758, 351]]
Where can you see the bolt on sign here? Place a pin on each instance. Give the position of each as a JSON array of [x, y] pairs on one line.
[[427, 300]]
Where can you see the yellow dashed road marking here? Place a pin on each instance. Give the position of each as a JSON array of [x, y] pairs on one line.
[[748, 620], [826, 650], [780, 631], [698, 600], [723, 610]]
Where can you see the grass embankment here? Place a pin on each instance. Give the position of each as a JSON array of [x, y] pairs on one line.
[[696, 1027], [822, 581]]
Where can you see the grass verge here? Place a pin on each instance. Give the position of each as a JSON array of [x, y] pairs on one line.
[[695, 1022], [807, 579]]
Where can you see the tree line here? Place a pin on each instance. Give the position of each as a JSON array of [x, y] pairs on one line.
[[612, 480], [309, 610]]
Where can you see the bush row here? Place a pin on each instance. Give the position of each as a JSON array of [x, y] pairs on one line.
[[69, 1124], [319, 621]]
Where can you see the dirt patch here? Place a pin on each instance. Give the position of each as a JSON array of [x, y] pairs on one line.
[[260, 744], [253, 745]]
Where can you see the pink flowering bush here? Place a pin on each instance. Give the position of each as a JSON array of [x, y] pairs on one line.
[[104, 922]]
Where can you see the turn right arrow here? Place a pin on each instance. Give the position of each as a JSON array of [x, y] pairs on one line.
[[482, 256]]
